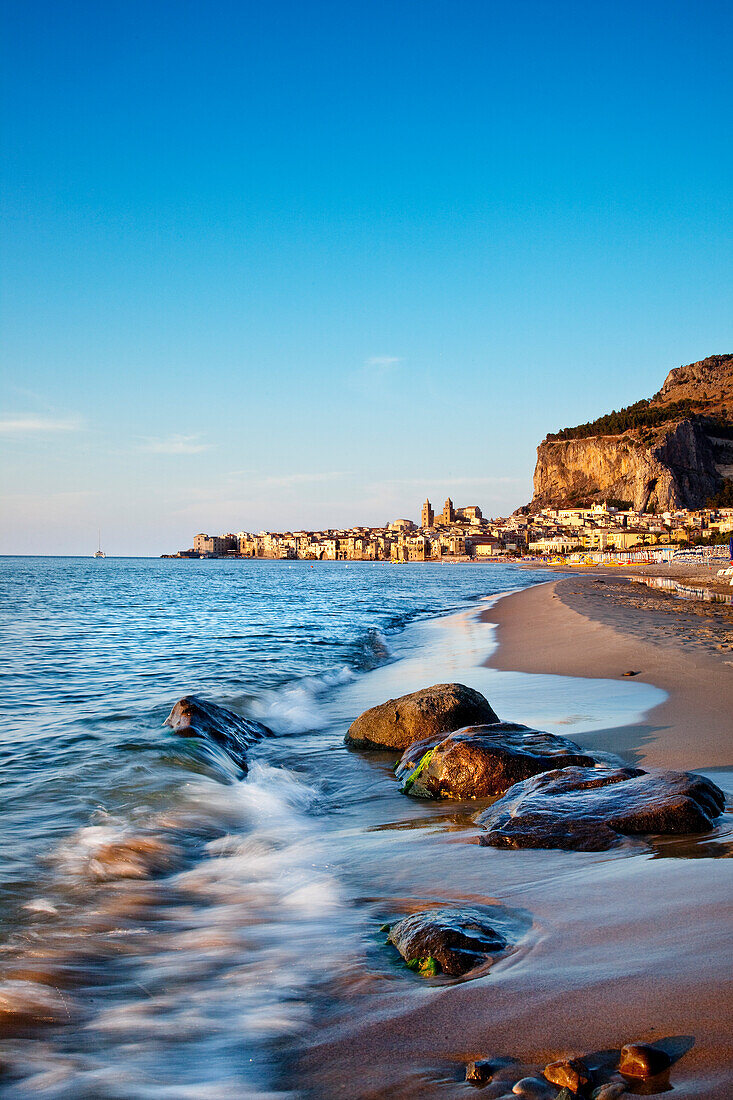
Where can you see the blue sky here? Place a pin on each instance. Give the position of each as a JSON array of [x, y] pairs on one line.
[[299, 264]]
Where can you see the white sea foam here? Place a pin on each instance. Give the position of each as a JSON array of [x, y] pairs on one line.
[[295, 707], [41, 905], [244, 934]]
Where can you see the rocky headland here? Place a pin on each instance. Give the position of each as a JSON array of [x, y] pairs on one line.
[[674, 450]]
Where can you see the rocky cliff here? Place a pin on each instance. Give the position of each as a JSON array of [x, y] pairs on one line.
[[674, 450]]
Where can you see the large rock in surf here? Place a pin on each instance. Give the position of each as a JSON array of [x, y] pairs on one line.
[[446, 941], [481, 761], [193, 716], [441, 708], [591, 809]]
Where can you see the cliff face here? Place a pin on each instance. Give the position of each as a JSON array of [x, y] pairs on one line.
[[679, 462], [708, 384]]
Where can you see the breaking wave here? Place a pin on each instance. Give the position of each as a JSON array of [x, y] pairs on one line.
[[211, 921]]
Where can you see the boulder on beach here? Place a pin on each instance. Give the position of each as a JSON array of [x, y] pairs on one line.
[[592, 809], [397, 723], [640, 1060], [568, 1073], [446, 941], [483, 1070], [485, 760], [193, 716]]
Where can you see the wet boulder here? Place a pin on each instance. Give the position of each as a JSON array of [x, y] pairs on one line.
[[481, 761], [534, 1088], [439, 709], [446, 941], [592, 809], [640, 1060], [193, 716], [483, 1070], [568, 1073]]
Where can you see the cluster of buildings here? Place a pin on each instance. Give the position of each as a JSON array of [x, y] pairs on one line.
[[460, 534], [605, 527]]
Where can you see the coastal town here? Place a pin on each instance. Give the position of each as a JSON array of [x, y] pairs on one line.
[[611, 530]]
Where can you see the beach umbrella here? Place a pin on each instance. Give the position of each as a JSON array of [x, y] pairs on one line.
[[730, 547]]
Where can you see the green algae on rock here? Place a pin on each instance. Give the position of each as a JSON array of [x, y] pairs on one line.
[[482, 761], [447, 941]]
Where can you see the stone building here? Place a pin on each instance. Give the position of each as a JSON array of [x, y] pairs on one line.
[[427, 516], [214, 544], [448, 515]]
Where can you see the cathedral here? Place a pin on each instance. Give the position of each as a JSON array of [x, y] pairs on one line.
[[446, 517]]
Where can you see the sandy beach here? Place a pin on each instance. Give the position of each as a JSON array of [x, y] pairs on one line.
[[595, 625], [628, 945]]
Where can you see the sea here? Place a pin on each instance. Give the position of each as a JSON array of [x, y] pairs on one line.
[[208, 966]]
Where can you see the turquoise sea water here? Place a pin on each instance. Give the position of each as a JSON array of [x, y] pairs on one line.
[[204, 971], [95, 652]]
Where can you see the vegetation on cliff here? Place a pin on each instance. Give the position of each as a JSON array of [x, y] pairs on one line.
[[672, 450], [723, 498], [703, 389], [642, 414]]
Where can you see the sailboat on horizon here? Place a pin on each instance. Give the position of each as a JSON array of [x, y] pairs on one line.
[[99, 552]]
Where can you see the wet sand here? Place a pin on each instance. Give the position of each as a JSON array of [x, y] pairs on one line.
[[599, 626], [628, 945]]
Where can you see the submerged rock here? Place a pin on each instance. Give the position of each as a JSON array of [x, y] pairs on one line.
[[193, 716], [534, 1088], [133, 857], [439, 709], [642, 1060], [590, 809], [26, 1004], [610, 1091], [446, 941], [485, 760]]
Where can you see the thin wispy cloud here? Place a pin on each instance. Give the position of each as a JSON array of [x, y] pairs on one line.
[[175, 445], [243, 493], [22, 424], [383, 361]]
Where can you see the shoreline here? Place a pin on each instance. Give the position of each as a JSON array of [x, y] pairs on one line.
[[591, 626], [624, 946], [324, 847]]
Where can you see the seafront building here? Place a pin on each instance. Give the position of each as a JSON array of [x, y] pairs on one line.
[[463, 534]]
